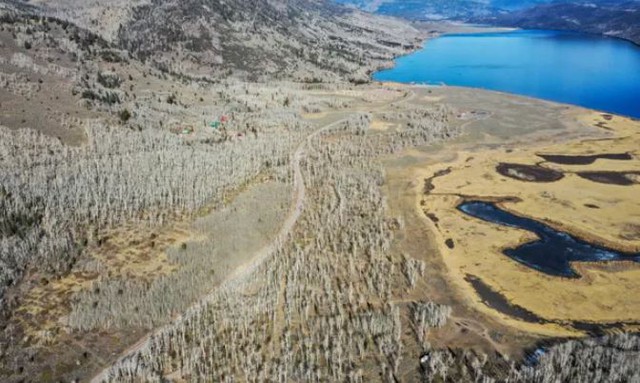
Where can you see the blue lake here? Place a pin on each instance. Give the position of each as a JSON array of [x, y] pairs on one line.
[[595, 72]]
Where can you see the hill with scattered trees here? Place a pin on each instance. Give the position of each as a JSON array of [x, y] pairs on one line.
[[300, 39]]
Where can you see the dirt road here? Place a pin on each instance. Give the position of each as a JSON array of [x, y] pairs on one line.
[[299, 191]]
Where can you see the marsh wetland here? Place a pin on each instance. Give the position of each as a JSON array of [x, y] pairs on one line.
[[509, 218], [554, 251]]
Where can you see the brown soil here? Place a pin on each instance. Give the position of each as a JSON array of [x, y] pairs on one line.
[[498, 302], [529, 173], [611, 178], [584, 160], [428, 182]]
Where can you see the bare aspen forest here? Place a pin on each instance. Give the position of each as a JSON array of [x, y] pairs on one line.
[[208, 191], [325, 309]]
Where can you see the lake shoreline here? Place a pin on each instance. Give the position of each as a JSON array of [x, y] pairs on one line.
[[438, 30], [572, 68]]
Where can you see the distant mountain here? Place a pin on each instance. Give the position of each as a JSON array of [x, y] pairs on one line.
[[511, 5], [620, 18], [441, 9], [300, 39], [612, 18]]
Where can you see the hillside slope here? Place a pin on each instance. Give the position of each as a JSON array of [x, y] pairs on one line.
[[305, 40]]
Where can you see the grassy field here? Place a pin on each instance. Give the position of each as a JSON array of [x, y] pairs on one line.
[[599, 211]]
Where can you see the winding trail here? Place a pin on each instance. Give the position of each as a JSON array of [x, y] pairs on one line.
[[242, 272]]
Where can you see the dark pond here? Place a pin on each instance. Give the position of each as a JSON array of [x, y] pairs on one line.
[[554, 251]]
